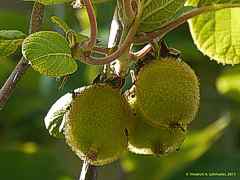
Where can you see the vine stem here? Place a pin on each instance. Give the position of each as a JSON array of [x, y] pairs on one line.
[[146, 37], [10, 84], [110, 58], [93, 26], [88, 59], [89, 44]]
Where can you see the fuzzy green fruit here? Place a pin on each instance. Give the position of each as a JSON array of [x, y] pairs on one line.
[[167, 92], [158, 141], [96, 124], [146, 139]]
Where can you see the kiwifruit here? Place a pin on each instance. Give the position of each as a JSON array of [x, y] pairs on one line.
[[167, 92], [146, 139], [96, 124]]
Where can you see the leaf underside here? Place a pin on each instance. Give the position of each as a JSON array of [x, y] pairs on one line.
[[217, 33], [54, 118]]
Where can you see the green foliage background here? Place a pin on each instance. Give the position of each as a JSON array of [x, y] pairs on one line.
[[27, 151]]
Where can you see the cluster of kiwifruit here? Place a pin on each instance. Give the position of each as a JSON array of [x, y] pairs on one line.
[[102, 123]]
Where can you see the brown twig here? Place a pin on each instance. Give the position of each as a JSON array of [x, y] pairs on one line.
[[146, 37], [22, 66]]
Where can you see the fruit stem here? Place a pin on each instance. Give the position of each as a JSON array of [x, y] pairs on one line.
[[23, 65], [146, 37], [84, 171], [88, 172]]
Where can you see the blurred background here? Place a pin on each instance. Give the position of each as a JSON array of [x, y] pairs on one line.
[[27, 151]]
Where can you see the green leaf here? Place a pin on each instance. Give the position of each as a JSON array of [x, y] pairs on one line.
[[158, 12], [217, 34], [182, 11], [10, 40], [200, 3], [72, 37], [54, 119], [49, 53]]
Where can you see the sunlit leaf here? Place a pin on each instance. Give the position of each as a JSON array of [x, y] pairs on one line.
[[63, 25], [49, 53], [200, 3], [216, 34]]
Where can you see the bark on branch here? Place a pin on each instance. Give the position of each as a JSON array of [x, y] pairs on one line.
[[8, 87]]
